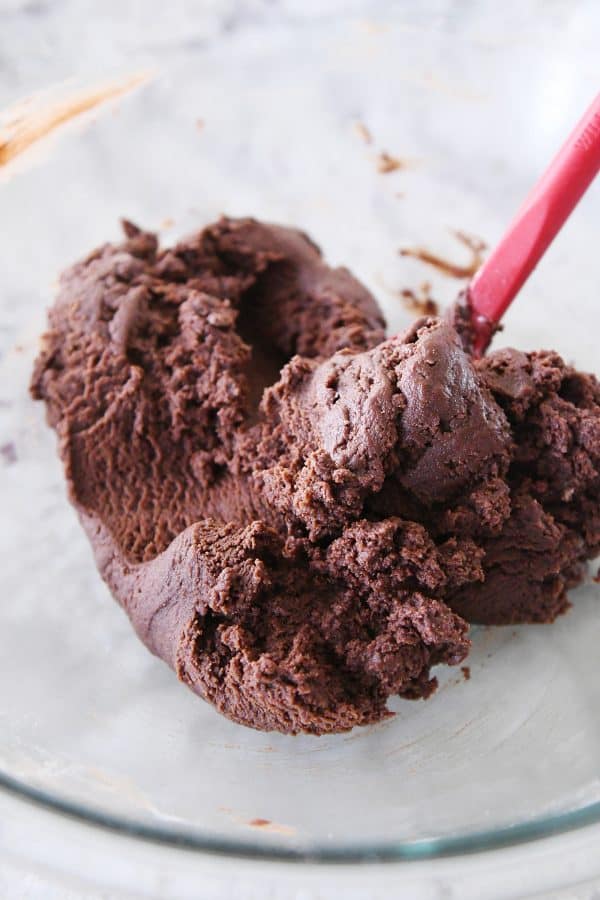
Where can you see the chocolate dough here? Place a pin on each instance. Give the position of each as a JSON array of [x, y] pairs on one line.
[[298, 515]]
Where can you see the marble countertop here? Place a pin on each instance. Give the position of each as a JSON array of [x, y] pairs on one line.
[[46, 42]]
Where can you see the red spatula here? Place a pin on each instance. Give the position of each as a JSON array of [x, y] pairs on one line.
[[536, 225]]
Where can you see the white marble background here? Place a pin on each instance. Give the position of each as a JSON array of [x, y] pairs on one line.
[[492, 100], [476, 106]]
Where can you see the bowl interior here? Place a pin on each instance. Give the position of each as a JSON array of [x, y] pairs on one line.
[[267, 124]]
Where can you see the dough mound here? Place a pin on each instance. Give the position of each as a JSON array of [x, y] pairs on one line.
[[296, 514]]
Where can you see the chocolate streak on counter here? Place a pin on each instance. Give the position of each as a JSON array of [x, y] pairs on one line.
[[363, 132], [455, 270], [420, 302], [23, 130], [387, 163]]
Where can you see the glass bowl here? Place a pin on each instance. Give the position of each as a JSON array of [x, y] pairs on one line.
[[284, 117]]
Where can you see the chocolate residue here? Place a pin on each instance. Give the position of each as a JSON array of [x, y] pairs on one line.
[[22, 130], [387, 163], [475, 245], [363, 132], [271, 827], [259, 822], [8, 452], [420, 301], [466, 670]]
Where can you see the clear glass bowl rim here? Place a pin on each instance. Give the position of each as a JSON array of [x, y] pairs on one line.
[[391, 851]]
